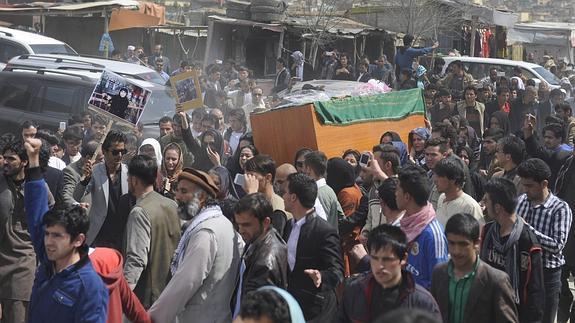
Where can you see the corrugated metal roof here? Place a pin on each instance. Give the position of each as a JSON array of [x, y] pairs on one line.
[[47, 7], [334, 25], [272, 27]]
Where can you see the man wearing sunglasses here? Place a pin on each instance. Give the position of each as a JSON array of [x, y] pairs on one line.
[[257, 103], [103, 185]]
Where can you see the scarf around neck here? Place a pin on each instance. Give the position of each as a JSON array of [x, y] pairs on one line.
[[207, 213], [507, 249], [414, 224]]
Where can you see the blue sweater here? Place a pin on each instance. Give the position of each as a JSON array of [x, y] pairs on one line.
[[427, 251], [77, 293]]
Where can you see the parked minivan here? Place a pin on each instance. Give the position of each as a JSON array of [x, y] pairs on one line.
[[479, 67], [14, 42], [88, 63]]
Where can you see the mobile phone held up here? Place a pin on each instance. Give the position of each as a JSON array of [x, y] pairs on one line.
[[239, 180], [364, 160]]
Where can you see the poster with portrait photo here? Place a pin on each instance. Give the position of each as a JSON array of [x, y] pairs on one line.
[[187, 89], [118, 98]]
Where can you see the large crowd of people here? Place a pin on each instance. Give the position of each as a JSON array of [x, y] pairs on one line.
[[469, 220]]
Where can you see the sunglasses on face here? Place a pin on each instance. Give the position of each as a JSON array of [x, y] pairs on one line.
[[299, 164], [117, 152]]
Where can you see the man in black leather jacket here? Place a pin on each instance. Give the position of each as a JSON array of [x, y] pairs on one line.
[[265, 255]]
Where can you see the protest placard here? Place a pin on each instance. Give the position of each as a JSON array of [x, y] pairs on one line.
[[187, 89], [119, 98]]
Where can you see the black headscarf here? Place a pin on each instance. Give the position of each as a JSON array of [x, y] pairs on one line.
[[202, 160], [340, 174]]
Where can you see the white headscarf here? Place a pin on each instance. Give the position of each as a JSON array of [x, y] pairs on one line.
[[157, 149], [520, 84]]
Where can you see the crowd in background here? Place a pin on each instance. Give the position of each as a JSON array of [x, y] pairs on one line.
[[468, 220]]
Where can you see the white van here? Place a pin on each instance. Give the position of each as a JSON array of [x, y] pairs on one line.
[[479, 67], [14, 42]]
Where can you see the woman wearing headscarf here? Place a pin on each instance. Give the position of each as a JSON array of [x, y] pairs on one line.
[[416, 143], [209, 152], [392, 137], [151, 147], [517, 85], [233, 163], [171, 169], [226, 199], [499, 119], [352, 156], [341, 178]]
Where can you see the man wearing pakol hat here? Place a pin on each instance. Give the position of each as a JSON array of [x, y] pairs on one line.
[[206, 262]]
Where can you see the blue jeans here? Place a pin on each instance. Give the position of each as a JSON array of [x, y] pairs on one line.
[[552, 285]]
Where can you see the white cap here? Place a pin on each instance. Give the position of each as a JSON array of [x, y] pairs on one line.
[[131, 47]]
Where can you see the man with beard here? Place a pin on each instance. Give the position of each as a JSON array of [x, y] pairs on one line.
[[265, 258], [17, 257], [153, 216], [206, 262]]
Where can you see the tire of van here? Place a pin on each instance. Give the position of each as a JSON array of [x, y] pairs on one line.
[[267, 17], [266, 9]]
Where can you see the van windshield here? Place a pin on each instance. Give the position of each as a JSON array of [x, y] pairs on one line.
[[548, 76]]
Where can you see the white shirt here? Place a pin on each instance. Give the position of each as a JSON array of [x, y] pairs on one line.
[[317, 205], [196, 134], [76, 158], [462, 204], [56, 162], [292, 241], [235, 140], [397, 222]]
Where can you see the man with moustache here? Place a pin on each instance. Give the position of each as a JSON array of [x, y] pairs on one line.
[[387, 286], [152, 232], [206, 262]]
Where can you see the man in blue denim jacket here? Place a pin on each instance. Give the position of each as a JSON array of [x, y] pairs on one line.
[[66, 287]]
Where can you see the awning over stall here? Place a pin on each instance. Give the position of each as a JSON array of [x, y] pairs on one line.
[[148, 15]]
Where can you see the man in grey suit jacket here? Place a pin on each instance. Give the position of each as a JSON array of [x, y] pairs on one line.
[[104, 186], [72, 193]]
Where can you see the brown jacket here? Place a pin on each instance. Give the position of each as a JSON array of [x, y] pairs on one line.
[[490, 297]]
